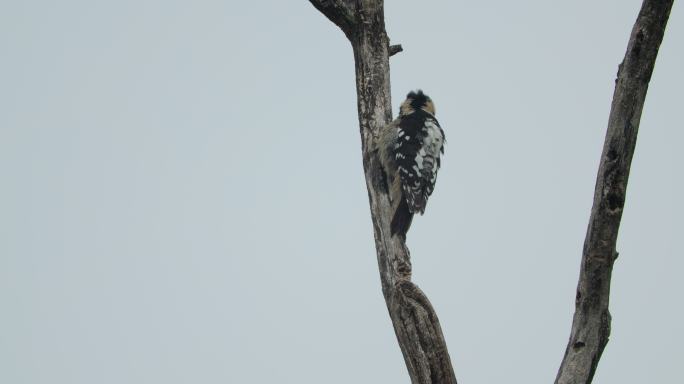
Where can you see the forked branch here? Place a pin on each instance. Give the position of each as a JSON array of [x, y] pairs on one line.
[[415, 321]]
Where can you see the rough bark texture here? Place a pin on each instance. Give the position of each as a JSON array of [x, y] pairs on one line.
[[591, 322], [415, 321]]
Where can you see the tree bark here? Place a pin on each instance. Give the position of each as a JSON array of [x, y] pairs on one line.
[[591, 322], [415, 321]]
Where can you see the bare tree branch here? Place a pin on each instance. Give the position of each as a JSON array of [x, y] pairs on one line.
[[340, 12], [415, 321], [591, 322]]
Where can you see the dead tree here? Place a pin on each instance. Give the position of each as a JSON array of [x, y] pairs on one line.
[[415, 321], [591, 322]]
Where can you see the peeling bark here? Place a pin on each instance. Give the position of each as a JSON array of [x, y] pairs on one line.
[[591, 322]]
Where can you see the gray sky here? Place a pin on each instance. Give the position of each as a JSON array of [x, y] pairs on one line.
[[183, 199]]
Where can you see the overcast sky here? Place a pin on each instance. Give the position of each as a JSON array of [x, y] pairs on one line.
[[183, 199]]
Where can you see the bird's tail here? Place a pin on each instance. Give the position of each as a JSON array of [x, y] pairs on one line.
[[401, 221]]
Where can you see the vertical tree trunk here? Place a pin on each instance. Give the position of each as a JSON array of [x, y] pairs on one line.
[[591, 322], [415, 321]]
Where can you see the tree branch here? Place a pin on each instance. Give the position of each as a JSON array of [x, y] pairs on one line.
[[341, 12], [591, 322], [415, 321]]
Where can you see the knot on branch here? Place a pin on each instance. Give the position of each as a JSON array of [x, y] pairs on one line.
[[615, 202], [578, 345]]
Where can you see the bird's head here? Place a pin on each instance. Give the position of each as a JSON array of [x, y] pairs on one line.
[[417, 100]]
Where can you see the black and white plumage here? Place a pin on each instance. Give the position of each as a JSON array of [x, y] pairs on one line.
[[410, 149]]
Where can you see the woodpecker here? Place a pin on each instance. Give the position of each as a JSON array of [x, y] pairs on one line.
[[409, 149]]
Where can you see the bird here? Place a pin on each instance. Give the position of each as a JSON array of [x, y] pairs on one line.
[[409, 149]]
